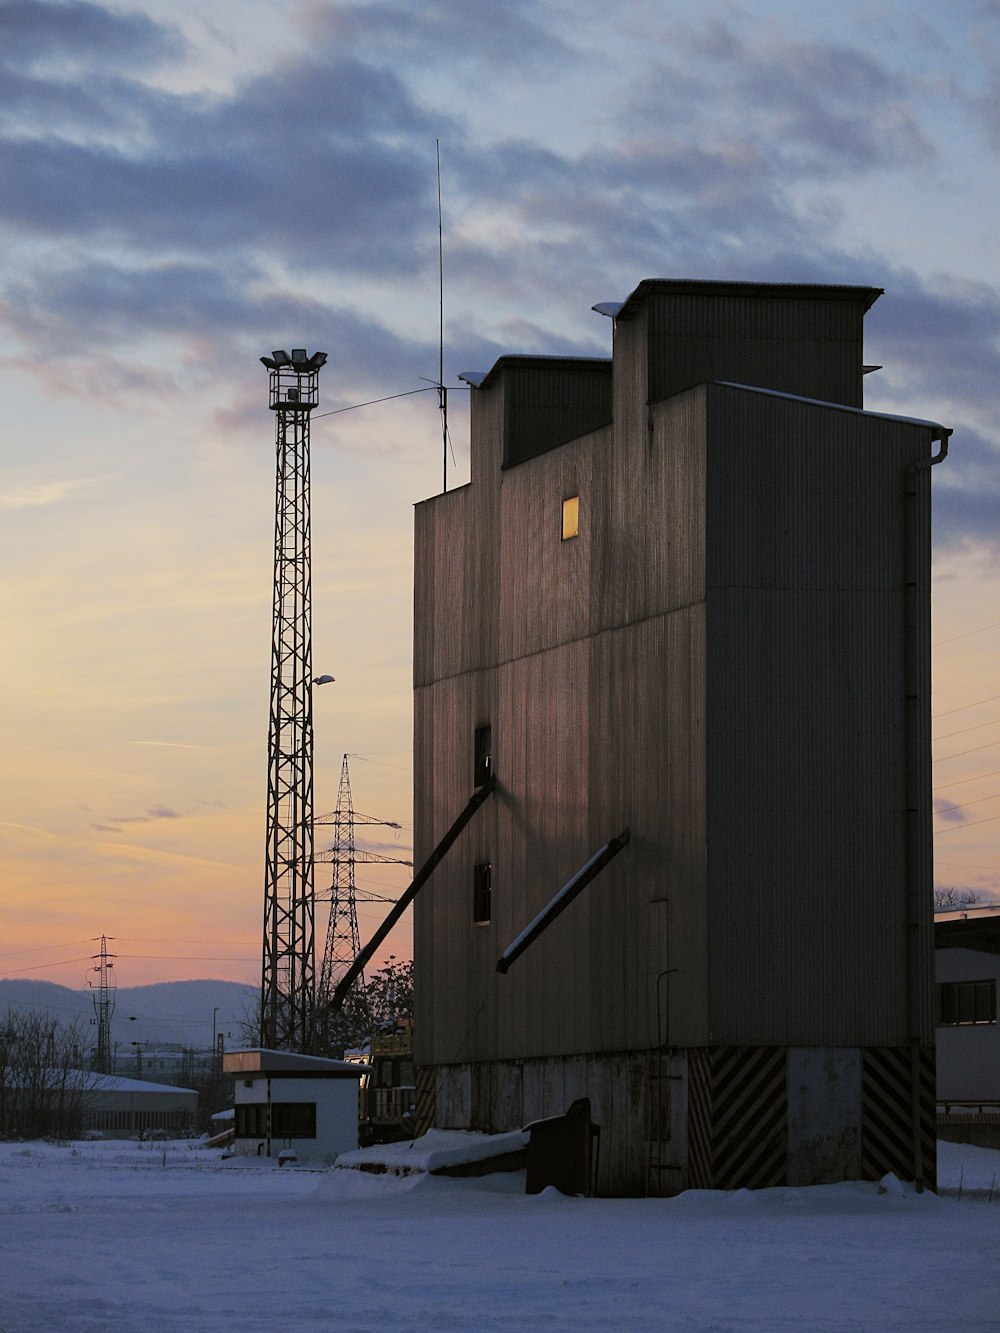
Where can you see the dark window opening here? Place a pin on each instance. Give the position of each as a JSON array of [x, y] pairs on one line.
[[967, 1003], [289, 1120], [482, 892], [293, 1120], [251, 1120], [483, 757]]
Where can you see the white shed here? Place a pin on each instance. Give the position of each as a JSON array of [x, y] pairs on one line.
[[288, 1101], [967, 959]]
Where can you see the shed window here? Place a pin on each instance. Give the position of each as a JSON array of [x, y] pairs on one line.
[[967, 1003], [293, 1120], [251, 1120], [482, 892], [570, 517]]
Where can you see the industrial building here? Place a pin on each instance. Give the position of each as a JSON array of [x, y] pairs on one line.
[[677, 625], [125, 1108], [967, 965]]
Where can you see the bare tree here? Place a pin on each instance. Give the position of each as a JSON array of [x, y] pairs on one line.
[[42, 1086], [953, 897]]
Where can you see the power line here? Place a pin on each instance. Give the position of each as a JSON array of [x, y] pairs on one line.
[[963, 707], [40, 948], [961, 781], [40, 967], [958, 753], [967, 635], [372, 402], [382, 763], [971, 824], [192, 958], [965, 730], [965, 804], [155, 939]]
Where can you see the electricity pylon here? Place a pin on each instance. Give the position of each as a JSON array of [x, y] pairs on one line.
[[104, 1005], [288, 962], [343, 943]]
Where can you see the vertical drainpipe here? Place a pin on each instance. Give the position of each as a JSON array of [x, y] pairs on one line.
[[913, 702], [269, 1116]]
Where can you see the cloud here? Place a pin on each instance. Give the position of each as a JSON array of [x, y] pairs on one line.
[[966, 491], [818, 109], [171, 745], [948, 812], [162, 812], [217, 226], [59, 36], [29, 828], [42, 494], [436, 31], [945, 336], [328, 153], [170, 861]]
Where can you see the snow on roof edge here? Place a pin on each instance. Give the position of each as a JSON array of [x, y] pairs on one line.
[[841, 407]]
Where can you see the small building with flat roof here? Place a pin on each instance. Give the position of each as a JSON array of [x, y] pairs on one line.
[[286, 1101], [967, 964]]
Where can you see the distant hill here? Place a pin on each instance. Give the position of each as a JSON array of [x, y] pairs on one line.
[[166, 1013]]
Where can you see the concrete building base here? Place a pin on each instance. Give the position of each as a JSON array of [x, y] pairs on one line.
[[726, 1117]]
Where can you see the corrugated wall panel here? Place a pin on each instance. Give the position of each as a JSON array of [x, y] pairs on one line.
[[604, 652], [808, 893], [807, 347], [549, 404]]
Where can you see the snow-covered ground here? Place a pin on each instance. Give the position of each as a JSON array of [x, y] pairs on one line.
[[126, 1236]]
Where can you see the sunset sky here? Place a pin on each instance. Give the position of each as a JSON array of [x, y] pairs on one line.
[[186, 187]]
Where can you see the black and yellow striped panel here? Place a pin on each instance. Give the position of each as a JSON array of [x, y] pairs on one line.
[[737, 1117], [426, 1101], [887, 1137], [700, 1119]]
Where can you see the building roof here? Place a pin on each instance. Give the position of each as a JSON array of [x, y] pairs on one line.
[[479, 379], [114, 1083], [802, 291], [262, 1061], [838, 407], [85, 1080], [968, 928]]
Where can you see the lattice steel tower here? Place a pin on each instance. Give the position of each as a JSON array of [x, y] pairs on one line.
[[288, 969], [104, 1006], [343, 943]]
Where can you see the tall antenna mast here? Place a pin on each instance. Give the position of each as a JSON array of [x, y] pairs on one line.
[[442, 390], [104, 1005], [288, 956]]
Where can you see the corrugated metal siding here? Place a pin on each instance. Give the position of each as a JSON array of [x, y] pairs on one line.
[[599, 668], [807, 347], [580, 752], [808, 893], [548, 405]]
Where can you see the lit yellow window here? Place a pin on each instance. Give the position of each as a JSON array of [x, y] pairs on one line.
[[571, 517]]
